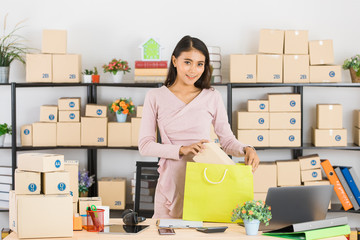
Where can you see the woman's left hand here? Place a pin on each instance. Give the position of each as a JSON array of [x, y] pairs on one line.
[[251, 158]]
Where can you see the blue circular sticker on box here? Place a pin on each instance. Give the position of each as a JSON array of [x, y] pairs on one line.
[[99, 112], [71, 193], [313, 162], [337, 138], [71, 104], [291, 138], [260, 138], [314, 174], [61, 186], [292, 121], [32, 187], [72, 116], [262, 106], [261, 120], [292, 103], [332, 74], [57, 163], [51, 117], [26, 131]]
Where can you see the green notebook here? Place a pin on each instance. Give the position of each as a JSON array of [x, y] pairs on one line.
[[314, 234]]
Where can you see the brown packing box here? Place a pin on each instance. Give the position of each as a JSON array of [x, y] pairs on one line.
[[135, 129], [139, 110], [296, 69], [69, 116], [357, 136], [285, 120], [329, 137], [309, 162], [119, 134], [357, 118], [72, 167], [213, 154], [27, 182], [321, 52], [69, 104], [311, 175], [258, 105], [48, 113], [253, 120], [85, 202], [26, 135], [269, 68], [243, 68], [54, 41], [329, 116], [40, 162], [44, 134], [94, 110], [288, 173], [285, 138], [94, 131], [296, 42], [265, 177], [56, 183], [260, 196], [271, 41], [38, 68], [256, 138], [113, 192], [328, 73], [279, 102], [68, 134], [66, 68]]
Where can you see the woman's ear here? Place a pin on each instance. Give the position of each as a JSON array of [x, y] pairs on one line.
[[174, 60]]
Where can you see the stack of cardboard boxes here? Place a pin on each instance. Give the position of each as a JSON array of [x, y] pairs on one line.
[[215, 62], [53, 64], [68, 127], [310, 169]]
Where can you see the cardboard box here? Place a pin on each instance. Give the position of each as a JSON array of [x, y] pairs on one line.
[[56, 183], [296, 69], [321, 52], [285, 120], [317, 183], [260, 196], [69, 104], [243, 68], [311, 175], [256, 138], [279, 102], [258, 105], [69, 116], [26, 135], [135, 129], [139, 110], [113, 192], [72, 167], [269, 68], [285, 138], [67, 68], [296, 42], [309, 162], [357, 118], [357, 136], [288, 173], [265, 177], [39, 68], [253, 120], [40, 162], [85, 202], [94, 110], [54, 41], [68, 134], [27, 182], [44, 134], [326, 73], [329, 116], [119, 134], [329, 137], [213, 154], [94, 131], [271, 41], [48, 113]]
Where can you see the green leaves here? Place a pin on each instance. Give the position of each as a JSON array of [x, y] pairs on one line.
[[251, 210], [354, 63], [5, 129]]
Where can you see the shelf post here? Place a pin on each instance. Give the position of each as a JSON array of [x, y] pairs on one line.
[[13, 136]]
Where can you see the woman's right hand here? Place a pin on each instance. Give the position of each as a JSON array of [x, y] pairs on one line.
[[194, 148]]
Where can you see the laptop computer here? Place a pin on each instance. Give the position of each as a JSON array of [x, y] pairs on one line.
[[291, 205]]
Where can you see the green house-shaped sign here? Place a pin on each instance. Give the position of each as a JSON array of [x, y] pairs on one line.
[[150, 50]]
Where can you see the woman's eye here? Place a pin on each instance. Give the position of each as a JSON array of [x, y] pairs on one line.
[[200, 64], [187, 62]]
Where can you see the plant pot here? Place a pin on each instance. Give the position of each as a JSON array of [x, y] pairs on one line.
[[117, 78], [83, 194], [87, 78], [4, 74], [120, 117], [354, 78], [95, 78], [252, 227], [2, 140]]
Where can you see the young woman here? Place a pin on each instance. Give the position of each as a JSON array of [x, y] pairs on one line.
[[184, 110]]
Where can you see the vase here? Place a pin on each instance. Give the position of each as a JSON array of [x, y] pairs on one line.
[[83, 194], [4, 74], [2, 140], [354, 78], [95, 79], [118, 77], [87, 78], [120, 117], [252, 227]]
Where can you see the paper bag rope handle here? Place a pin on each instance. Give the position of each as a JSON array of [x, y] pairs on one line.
[[214, 182]]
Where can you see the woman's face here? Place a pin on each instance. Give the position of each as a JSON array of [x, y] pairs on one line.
[[190, 66]]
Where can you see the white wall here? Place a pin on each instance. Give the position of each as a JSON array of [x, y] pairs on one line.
[[102, 30]]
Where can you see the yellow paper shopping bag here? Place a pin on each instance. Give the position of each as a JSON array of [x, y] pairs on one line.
[[212, 191]]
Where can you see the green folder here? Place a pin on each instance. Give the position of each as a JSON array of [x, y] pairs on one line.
[[314, 234]]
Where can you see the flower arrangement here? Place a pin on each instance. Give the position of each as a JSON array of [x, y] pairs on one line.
[[85, 181], [5, 129], [117, 65], [251, 210], [353, 63], [122, 105]]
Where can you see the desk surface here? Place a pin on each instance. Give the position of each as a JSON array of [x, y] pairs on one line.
[[233, 232]]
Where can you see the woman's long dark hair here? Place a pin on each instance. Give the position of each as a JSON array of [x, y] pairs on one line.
[[186, 44]]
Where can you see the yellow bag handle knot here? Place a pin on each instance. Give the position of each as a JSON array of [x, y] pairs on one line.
[[215, 182]]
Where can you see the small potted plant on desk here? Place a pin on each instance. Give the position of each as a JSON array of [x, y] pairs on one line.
[[85, 182], [88, 75], [118, 68], [95, 77], [4, 129], [252, 213], [353, 64], [122, 107]]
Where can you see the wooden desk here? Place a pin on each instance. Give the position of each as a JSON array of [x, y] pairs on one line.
[[233, 232]]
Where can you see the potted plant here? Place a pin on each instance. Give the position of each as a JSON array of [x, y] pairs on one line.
[[353, 64], [88, 75], [118, 68], [122, 107], [85, 182], [252, 213], [4, 129], [95, 77]]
